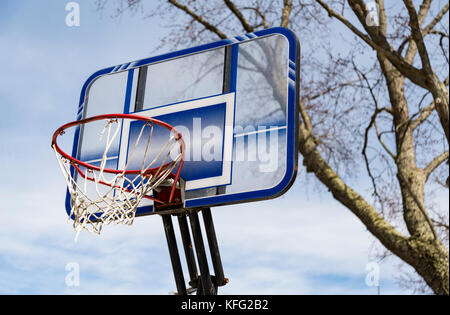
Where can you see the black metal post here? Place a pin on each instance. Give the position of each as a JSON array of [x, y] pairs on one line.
[[188, 249], [174, 255], [207, 287], [220, 279]]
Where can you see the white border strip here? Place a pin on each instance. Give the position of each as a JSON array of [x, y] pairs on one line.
[[259, 131], [108, 158], [228, 99]]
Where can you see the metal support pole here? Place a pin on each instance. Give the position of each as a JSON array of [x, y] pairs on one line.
[[174, 255], [207, 287], [220, 279], [188, 249]]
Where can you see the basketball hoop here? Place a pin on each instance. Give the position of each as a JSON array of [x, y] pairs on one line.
[[101, 195]]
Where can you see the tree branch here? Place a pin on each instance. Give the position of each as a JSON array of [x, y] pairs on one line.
[[247, 27], [383, 47], [305, 117], [441, 224], [441, 44], [394, 157], [438, 160], [436, 20], [373, 120], [414, 23], [366, 160], [260, 14], [286, 12], [329, 89], [424, 114], [198, 18], [382, 17], [375, 223], [419, 204], [409, 56], [425, 78]]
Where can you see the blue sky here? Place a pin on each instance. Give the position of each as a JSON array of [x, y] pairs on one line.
[[301, 243]]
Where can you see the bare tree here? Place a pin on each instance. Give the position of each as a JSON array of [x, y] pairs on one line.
[[379, 109]]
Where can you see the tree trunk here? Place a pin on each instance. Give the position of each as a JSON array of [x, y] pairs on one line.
[[441, 99], [430, 260]]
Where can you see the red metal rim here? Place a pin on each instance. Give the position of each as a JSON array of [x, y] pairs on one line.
[[61, 130]]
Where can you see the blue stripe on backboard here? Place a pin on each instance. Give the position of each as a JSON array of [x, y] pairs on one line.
[[125, 66], [292, 75], [233, 84], [234, 66], [126, 109], [292, 64]]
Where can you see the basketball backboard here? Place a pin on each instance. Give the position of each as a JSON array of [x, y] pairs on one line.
[[234, 101]]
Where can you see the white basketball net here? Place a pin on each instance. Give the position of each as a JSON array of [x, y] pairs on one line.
[[100, 198]]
